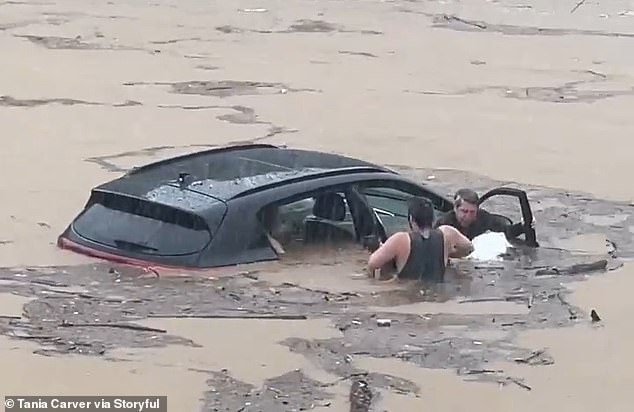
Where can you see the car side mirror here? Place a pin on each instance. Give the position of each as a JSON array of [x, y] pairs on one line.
[[371, 242]]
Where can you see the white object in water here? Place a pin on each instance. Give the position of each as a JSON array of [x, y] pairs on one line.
[[253, 10], [384, 322], [489, 246]]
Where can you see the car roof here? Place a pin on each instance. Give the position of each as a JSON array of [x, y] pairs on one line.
[[227, 172]]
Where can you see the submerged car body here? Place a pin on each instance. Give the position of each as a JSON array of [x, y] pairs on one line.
[[205, 209]]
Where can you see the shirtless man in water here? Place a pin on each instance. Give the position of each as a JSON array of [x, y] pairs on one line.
[[423, 252]]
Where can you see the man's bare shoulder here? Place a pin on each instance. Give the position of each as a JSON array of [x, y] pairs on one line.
[[453, 235], [398, 238], [449, 231], [459, 245]]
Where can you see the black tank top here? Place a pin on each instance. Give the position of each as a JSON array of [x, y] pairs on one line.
[[426, 260]]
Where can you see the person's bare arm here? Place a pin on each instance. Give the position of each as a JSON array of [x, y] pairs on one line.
[[387, 252], [459, 245]]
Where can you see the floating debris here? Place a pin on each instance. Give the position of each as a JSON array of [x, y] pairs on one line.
[[111, 325], [353, 53], [384, 322], [538, 357], [53, 42], [226, 88], [360, 397], [253, 10], [574, 269], [233, 316], [460, 24], [313, 26], [11, 101]]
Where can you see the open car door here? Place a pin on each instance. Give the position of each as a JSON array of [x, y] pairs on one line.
[[527, 213], [369, 229]]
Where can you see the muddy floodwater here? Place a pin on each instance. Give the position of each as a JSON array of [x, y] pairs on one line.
[[472, 93]]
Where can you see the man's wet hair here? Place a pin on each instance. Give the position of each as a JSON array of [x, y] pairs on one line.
[[421, 210], [466, 195]]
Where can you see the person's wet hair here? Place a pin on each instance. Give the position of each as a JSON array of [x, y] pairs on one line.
[[421, 211], [466, 195]]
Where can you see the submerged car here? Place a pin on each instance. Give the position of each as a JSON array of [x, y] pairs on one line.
[[213, 208]]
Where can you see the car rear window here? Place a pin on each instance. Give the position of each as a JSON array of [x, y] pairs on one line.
[[142, 227]]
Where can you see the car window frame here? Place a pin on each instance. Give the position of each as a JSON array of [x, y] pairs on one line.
[[344, 188], [403, 186]]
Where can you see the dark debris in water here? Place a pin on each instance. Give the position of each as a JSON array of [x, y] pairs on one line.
[[361, 396], [226, 88], [128, 103], [300, 26], [54, 42], [207, 67], [228, 29], [174, 41], [577, 91], [243, 115], [12, 101], [320, 26], [313, 26], [355, 53], [75, 43], [453, 22], [15, 102], [30, 3], [240, 115], [538, 357], [293, 391]]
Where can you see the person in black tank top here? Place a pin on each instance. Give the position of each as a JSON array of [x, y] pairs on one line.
[[421, 252], [426, 260]]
